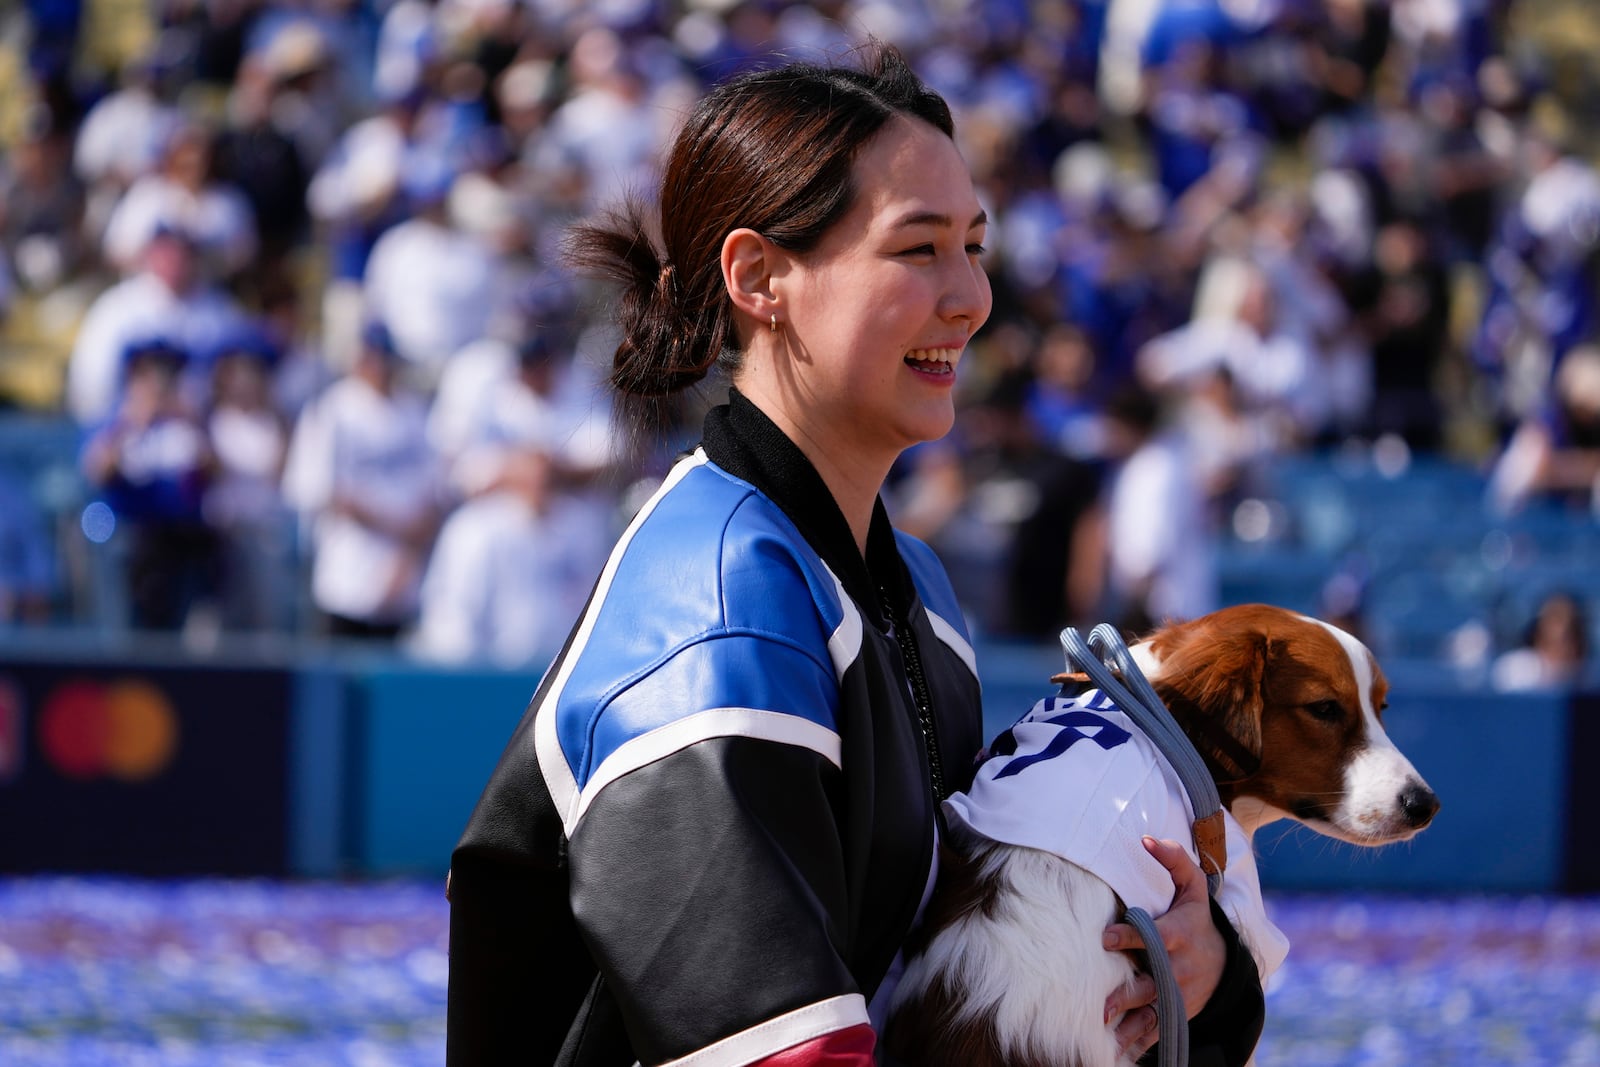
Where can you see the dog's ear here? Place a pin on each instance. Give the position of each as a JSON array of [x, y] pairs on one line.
[[1212, 684]]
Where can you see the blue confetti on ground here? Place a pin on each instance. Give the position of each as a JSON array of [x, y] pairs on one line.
[[102, 972], [1461, 981]]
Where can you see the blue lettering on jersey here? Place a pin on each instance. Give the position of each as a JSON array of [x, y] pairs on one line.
[[1108, 735], [1093, 700]]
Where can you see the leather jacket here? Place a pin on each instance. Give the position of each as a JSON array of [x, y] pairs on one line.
[[711, 831]]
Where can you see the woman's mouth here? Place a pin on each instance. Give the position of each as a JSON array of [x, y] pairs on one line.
[[936, 361]]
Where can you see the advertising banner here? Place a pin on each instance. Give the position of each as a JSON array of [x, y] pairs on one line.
[[118, 767]]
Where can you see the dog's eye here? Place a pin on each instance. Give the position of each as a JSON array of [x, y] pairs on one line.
[[1326, 710]]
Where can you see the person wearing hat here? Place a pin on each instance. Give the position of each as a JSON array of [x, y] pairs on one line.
[[361, 474], [542, 306], [152, 463]]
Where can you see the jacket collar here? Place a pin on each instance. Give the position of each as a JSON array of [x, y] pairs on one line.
[[742, 440]]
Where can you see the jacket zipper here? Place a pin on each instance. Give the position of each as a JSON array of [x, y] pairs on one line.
[[919, 692]]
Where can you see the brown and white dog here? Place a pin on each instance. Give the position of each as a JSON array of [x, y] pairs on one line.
[[1008, 968]]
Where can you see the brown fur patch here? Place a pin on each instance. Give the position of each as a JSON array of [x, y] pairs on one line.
[[1215, 676], [1249, 670]]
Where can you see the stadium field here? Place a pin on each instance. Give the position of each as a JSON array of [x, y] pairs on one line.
[[96, 972]]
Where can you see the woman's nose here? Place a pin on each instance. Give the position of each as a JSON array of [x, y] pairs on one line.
[[968, 294]]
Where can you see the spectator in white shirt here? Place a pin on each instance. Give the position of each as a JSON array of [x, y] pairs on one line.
[[515, 563], [355, 197], [554, 401], [360, 470], [166, 297], [428, 279], [1160, 541], [250, 437], [506, 578], [541, 314], [121, 137], [1554, 653], [1237, 328]]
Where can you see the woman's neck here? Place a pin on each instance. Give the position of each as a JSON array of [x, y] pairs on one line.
[[854, 481]]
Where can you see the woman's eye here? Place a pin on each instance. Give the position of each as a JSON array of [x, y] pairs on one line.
[[976, 250], [1326, 710]]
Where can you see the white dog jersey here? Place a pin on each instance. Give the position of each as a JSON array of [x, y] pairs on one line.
[[1078, 778]]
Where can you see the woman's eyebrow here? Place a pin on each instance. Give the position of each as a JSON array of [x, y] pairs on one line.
[[935, 218]]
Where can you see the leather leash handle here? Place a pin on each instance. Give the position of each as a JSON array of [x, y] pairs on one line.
[[1211, 842]]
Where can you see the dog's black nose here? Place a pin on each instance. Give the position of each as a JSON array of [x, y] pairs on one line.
[[1419, 804]]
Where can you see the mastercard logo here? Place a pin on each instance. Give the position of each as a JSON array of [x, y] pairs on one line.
[[125, 730]]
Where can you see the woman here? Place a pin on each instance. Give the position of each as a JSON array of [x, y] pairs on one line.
[[1554, 653], [717, 822]]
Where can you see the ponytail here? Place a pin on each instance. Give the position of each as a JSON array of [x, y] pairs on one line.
[[672, 334]]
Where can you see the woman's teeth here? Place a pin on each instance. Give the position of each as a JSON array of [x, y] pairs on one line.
[[934, 360]]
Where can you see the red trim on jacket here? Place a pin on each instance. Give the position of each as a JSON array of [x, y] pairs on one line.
[[850, 1047]]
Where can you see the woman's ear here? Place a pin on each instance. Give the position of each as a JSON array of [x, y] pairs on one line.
[[749, 263]]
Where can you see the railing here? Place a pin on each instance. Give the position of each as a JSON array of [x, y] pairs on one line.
[[298, 758]]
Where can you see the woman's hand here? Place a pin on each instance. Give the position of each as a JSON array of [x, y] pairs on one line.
[[1193, 943]]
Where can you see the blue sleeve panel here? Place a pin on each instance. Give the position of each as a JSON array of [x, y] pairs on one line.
[[706, 608]]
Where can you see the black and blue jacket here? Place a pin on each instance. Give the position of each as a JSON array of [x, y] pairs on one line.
[[711, 831], [727, 774]]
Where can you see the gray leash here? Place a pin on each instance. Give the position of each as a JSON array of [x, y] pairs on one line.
[[1102, 658], [1170, 1015]]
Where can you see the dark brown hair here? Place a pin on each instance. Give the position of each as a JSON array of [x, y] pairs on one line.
[[770, 150]]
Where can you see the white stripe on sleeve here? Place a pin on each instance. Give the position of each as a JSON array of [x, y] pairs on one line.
[[675, 736]]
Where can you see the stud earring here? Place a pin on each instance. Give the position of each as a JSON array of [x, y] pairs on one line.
[[774, 322]]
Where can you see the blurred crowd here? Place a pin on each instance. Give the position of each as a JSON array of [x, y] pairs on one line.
[[321, 337]]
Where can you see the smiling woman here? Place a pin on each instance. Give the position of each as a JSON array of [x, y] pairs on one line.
[[819, 235], [871, 322], [713, 829]]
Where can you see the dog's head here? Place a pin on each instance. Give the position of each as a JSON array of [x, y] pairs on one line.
[[1288, 712]]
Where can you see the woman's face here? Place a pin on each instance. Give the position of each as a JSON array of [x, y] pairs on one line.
[[877, 317]]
